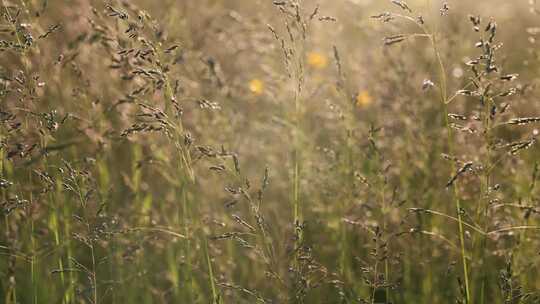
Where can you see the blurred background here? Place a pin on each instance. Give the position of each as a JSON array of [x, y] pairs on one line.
[[347, 151]]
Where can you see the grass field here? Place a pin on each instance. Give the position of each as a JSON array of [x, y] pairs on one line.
[[259, 151]]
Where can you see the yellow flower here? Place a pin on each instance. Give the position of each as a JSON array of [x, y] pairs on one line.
[[363, 99], [256, 86], [317, 60]]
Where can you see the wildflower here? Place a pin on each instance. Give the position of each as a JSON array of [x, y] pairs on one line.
[[256, 86], [363, 99], [317, 60]]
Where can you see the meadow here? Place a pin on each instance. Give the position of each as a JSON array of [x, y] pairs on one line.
[[259, 151]]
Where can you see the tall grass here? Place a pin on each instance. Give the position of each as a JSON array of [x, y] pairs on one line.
[[289, 151]]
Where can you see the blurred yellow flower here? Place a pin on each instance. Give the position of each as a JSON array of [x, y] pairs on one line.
[[317, 60], [363, 99], [256, 86]]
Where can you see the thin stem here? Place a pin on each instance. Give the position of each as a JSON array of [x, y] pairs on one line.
[[443, 93], [94, 276], [479, 230], [514, 228], [215, 297]]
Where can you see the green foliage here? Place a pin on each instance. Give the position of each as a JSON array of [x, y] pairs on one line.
[[269, 152]]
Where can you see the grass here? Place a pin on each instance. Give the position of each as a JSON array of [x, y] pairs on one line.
[[291, 151]]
